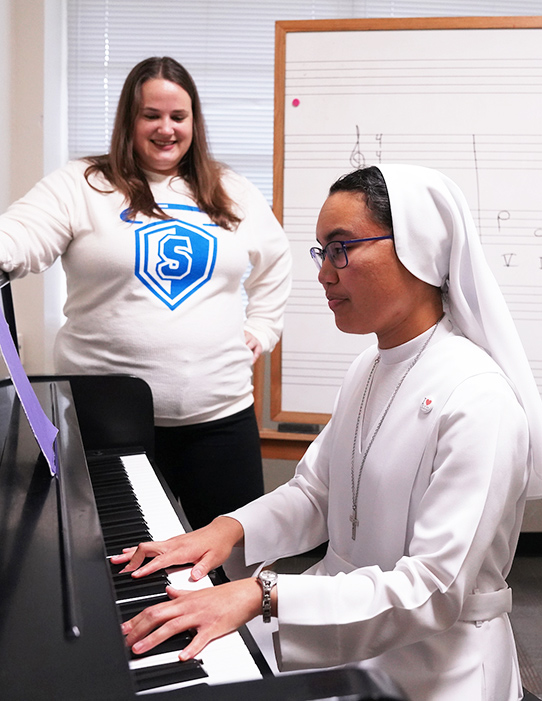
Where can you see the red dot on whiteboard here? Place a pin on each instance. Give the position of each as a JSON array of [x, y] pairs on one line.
[[295, 102]]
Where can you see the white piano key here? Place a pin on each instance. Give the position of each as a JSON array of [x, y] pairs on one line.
[[160, 515]]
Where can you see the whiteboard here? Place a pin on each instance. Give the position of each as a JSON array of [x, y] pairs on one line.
[[462, 95]]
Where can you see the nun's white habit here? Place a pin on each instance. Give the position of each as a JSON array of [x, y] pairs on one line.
[[421, 592]]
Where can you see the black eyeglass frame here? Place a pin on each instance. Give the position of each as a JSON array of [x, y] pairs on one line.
[[320, 254]]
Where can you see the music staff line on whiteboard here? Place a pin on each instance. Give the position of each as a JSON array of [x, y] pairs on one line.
[[312, 368], [417, 76], [445, 151]]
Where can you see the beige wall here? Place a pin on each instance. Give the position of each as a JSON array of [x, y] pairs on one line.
[[4, 103], [22, 91]]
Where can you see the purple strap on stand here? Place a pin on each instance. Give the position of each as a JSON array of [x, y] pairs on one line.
[[44, 431]]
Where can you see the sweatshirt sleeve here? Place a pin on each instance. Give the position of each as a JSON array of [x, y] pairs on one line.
[[268, 283], [37, 228]]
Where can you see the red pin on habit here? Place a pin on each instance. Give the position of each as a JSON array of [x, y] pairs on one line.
[[427, 405]]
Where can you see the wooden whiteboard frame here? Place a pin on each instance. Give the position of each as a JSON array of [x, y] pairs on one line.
[[282, 29]]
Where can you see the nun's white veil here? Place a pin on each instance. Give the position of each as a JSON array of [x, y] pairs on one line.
[[436, 240]]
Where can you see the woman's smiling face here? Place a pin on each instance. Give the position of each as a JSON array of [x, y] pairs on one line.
[[163, 126]]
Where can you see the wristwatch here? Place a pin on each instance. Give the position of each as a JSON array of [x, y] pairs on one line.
[[267, 580]]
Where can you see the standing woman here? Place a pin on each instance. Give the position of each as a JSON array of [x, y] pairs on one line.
[[155, 239]]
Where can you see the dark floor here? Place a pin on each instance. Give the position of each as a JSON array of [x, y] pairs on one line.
[[526, 582]]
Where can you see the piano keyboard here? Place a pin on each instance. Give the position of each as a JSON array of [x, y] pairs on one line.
[[133, 507]]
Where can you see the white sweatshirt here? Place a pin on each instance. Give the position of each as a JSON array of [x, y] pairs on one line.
[[158, 299]]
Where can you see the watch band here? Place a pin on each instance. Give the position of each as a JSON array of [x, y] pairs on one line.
[[267, 580]]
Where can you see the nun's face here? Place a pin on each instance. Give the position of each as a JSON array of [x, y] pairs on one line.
[[375, 292]]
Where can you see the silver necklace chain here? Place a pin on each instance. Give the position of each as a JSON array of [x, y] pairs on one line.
[[356, 482]]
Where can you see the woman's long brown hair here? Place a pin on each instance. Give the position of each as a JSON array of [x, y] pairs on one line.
[[122, 169]]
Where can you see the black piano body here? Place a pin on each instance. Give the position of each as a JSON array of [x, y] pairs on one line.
[[60, 637]]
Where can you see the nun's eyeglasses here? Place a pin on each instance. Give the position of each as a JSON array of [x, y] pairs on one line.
[[336, 251]]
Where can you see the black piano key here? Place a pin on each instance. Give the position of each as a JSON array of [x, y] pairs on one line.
[[115, 548], [101, 481], [136, 533], [114, 481], [124, 513], [109, 467], [110, 498], [119, 526], [127, 586], [164, 674], [109, 475], [176, 642], [121, 491], [118, 574], [110, 513], [130, 522], [120, 523], [115, 477], [139, 588], [129, 609], [116, 569], [100, 461], [121, 581]]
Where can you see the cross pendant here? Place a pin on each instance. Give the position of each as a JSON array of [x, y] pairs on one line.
[[355, 523]]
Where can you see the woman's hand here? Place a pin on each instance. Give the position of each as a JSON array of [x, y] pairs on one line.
[[254, 345], [206, 548], [212, 612]]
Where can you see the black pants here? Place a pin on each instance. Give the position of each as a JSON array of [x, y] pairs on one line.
[[212, 467]]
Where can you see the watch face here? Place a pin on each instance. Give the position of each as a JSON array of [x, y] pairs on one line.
[[268, 576]]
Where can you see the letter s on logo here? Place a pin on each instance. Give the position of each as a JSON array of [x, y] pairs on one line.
[[176, 254]]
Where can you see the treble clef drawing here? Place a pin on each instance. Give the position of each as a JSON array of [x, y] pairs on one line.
[[357, 159]]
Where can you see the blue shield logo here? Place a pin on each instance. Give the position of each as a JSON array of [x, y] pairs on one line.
[[174, 259]]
